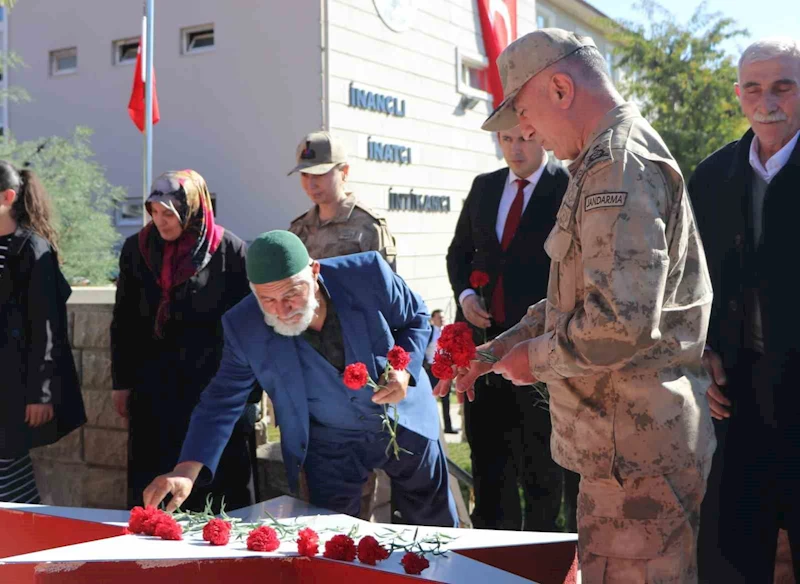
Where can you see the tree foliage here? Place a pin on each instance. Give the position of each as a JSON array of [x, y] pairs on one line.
[[83, 201], [682, 78]]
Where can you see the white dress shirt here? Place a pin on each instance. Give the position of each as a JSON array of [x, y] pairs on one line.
[[776, 162], [506, 200], [430, 350]]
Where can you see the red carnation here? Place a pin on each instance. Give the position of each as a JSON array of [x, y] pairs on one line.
[[370, 551], [217, 532], [478, 279], [356, 376], [153, 520], [456, 341], [414, 563], [140, 516], [442, 367], [263, 539], [340, 547], [399, 358], [168, 528], [308, 542]]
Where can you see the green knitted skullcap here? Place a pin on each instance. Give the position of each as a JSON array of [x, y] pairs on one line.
[[274, 256]]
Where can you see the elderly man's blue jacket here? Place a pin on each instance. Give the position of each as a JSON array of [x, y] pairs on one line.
[[377, 310]]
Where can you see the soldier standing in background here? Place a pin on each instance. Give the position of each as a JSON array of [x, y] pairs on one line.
[[338, 224]]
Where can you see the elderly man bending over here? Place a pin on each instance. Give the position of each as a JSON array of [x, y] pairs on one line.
[[304, 322]]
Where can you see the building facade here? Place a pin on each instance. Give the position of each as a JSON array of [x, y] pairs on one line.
[[400, 81]]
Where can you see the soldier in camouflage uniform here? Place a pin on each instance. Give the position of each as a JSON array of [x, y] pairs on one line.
[[619, 339], [337, 224]]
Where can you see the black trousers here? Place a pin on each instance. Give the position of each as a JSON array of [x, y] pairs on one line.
[[509, 437], [753, 488]]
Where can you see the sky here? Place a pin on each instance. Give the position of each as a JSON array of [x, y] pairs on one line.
[[764, 19]]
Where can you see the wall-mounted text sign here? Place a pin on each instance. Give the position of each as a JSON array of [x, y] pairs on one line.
[[388, 152], [420, 203], [377, 102]]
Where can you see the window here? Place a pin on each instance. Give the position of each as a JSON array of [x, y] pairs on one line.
[[198, 39], [64, 61], [130, 213], [471, 78], [544, 18], [125, 51]]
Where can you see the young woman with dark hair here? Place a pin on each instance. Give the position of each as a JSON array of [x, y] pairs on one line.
[[40, 399]]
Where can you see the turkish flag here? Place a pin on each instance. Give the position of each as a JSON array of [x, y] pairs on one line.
[[499, 28], [136, 105]]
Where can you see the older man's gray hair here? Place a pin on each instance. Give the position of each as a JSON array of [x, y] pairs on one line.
[[770, 48]]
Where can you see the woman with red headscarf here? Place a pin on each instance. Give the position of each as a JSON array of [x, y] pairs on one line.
[[178, 276]]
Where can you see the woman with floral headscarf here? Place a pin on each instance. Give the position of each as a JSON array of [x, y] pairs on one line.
[[178, 276]]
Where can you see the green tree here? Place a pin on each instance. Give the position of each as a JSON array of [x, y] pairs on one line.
[[682, 78], [83, 201]]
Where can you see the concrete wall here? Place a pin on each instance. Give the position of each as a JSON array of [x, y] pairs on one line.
[[87, 468]]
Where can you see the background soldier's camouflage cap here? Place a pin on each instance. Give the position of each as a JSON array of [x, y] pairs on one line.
[[318, 153], [522, 60]]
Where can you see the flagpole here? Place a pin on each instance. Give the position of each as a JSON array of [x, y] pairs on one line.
[[148, 97]]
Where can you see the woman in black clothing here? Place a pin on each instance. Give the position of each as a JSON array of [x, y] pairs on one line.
[[40, 399], [178, 276]]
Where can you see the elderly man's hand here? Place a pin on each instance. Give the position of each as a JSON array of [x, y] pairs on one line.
[[515, 365], [395, 388], [719, 404], [179, 483]]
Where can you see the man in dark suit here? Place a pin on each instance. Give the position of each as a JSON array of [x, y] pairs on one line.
[[501, 231], [747, 200]]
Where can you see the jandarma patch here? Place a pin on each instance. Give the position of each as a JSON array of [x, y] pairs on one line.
[[604, 200]]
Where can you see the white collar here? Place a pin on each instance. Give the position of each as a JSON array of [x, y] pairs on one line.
[[776, 162], [532, 179]]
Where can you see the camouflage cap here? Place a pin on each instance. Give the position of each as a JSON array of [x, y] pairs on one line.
[[318, 153], [522, 60]]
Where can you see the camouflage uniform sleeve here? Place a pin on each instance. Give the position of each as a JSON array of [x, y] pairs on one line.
[[530, 327], [378, 238], [622, 244]]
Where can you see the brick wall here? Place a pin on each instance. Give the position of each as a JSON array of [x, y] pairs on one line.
[[87, 468]]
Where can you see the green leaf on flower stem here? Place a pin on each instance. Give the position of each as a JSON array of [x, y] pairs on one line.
[[487, 357]]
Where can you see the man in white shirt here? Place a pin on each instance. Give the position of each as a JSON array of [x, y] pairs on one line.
[[747, 201], [437, 321], [501, 232]]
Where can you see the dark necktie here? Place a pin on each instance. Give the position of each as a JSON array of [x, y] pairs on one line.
[[510, 228]]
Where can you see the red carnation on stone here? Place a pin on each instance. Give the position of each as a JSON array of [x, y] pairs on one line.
[[414, 563], [442, 367], [168, 528], [370, 551], [153, 520], [140, 516], [398, 358], [308, 542], [478, 279], [217, 532], [340, 547], [263, 539], [356, 376]]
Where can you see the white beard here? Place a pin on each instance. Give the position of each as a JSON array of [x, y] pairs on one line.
[[293, 329]]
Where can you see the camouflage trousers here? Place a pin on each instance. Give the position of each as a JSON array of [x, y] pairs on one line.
[[641, 530]]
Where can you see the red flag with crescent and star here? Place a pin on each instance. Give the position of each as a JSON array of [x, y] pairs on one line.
[[499, 28]]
